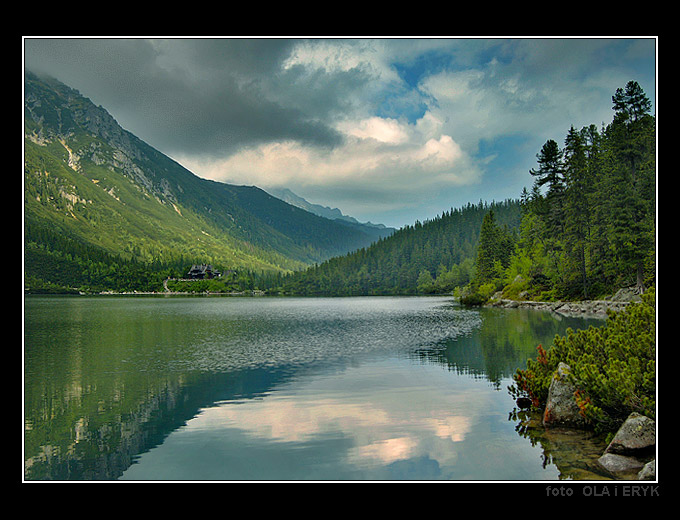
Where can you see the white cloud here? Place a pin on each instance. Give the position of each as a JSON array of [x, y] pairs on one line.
[[380, 129], [405, 162]]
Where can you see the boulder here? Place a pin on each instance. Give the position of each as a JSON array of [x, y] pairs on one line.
[[626, 294], [561, 408], [636, 436], [523, 402], [630, 449], [620, 463], [648, 472]]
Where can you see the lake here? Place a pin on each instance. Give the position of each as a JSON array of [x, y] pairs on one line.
[[259, 388]]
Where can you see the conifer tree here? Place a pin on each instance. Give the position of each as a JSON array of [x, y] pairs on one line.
[[576, 204], [494, 250], [551, 172]]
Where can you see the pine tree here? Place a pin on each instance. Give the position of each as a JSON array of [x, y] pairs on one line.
[[576, 204], [551, 172], [633, 103], [495, 247]]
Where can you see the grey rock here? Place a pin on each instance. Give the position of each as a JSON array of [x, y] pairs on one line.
[[561, 408], [635, 436], [620, 463], [648, 472]]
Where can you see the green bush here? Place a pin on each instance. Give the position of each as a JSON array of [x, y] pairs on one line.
[[613, 367], [473, 299], [517, 286]]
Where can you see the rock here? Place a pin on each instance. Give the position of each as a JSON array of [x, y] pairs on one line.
[[627, 294], [637, 435], [620, 463], [630, 448], [648, 472], [523, 402], [561, 408]]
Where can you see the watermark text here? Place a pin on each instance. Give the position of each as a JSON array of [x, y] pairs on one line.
[[604, 490]]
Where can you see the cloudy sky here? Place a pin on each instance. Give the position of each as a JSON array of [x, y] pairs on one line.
[[390, 130]]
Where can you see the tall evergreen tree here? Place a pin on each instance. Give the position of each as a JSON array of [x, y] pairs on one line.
[[494, 250], [576, 203], [551, 173], [631, 103]]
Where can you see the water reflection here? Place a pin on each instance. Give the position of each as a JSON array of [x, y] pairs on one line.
[[574, 452], [395, 419], [347, 388], [504, 341]]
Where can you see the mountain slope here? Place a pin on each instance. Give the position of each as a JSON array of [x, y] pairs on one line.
[[87, 179]]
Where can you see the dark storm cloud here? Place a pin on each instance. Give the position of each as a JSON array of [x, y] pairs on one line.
[[383, 128], [204, 96]]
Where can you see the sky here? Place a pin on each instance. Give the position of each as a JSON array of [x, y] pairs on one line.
[[389, 130]]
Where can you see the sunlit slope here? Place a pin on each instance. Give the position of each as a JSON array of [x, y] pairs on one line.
[[91, 180]]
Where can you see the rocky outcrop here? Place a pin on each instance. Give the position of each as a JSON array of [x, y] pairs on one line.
[[648, 472], [583, 308], [561, 408], [597, 308], [631, 451], [636, 435]]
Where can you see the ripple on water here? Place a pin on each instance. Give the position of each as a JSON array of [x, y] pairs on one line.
[[305, 331]]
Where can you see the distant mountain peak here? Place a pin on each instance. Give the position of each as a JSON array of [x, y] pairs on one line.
[[293, 199]]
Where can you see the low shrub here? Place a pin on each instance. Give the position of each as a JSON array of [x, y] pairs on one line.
[[473, 299]]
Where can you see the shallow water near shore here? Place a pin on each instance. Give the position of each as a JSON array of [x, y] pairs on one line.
[[224, 388]]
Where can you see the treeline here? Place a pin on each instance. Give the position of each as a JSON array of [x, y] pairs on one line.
[[588, 223], [432, 256]]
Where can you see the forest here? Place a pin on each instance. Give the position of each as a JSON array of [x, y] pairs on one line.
[[435, 256]]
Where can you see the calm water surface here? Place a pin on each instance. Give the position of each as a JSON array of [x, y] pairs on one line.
[[220, 388]]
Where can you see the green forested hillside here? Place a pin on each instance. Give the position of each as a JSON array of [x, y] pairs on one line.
[[435, 256], [91, 186]]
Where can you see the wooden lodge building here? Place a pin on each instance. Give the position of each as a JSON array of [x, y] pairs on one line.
[[202, 271]]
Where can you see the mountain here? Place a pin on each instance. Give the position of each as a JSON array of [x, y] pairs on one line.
[[91, 186], [376, 230]]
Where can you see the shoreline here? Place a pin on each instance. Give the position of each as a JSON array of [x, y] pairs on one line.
[[594, 308], [585, 308]]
